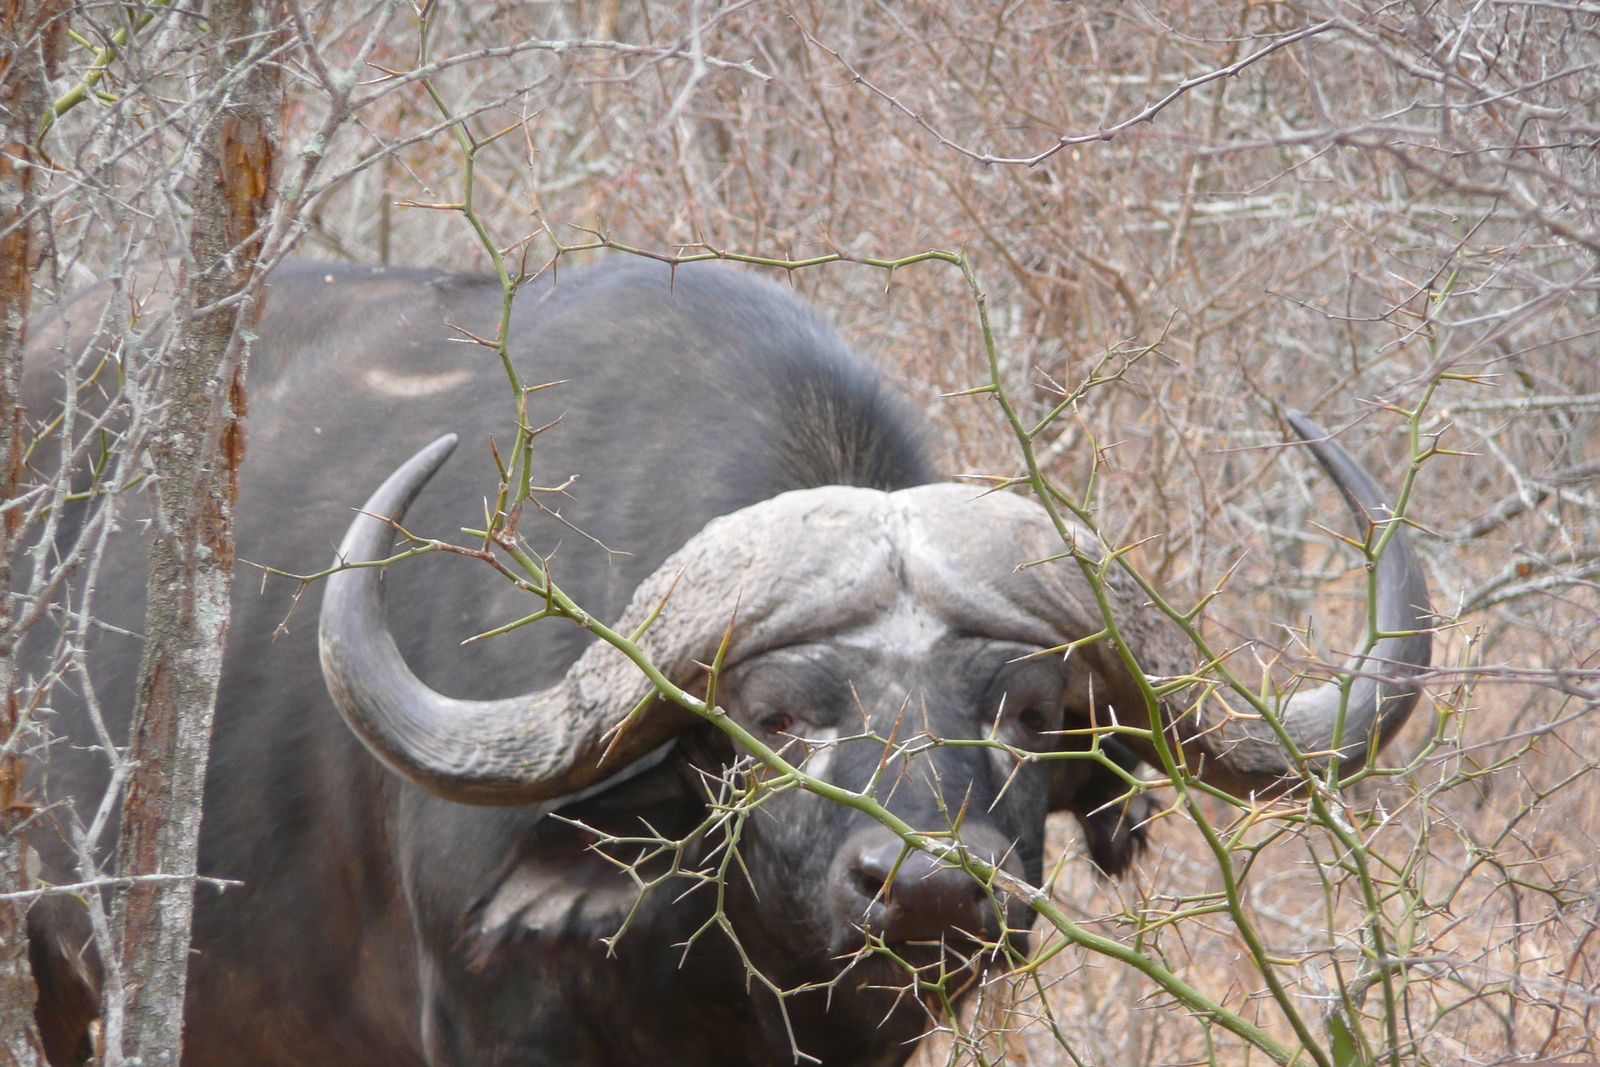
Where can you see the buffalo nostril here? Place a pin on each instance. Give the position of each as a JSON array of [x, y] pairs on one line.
[[872, 869], [868, 883], [922, 899]]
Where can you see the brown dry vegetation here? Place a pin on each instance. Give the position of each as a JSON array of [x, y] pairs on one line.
[[1384, 196]]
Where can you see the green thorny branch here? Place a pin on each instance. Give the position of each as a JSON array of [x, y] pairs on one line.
[[771, 772], [136, 17], [1323, 807]]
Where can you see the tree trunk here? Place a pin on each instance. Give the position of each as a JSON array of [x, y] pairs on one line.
[[194, 455], [31, 38]]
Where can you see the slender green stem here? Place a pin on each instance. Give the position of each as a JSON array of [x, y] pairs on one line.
[[103, 58], [786, 775]]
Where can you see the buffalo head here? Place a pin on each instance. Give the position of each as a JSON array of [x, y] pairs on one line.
[[880, 638]]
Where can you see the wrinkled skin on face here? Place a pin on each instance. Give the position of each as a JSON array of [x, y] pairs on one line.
[[827, 893], [923, 686], [815, 698], [833, 879], [821, 895]]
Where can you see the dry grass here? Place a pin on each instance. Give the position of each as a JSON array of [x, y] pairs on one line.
[[1298, 235], [1406, 193]]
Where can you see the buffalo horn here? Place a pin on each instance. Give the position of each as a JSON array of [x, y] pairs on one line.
[[516, 750], [1242, 752], [813, 563], [778, 566]]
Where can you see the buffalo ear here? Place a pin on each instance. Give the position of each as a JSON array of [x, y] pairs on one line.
[[558, 890], [554, 884], [67, 969], [1114, 823]]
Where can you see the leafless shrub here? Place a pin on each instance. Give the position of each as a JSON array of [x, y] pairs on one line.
[[1338, 207]]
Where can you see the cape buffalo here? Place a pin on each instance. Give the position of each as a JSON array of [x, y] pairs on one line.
[[422, 907]]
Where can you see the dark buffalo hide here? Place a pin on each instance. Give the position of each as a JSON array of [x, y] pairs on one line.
[[378, 924]]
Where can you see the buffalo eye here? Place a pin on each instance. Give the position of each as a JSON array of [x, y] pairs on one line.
[[1037, 721], [1027, 695], [778, 722]]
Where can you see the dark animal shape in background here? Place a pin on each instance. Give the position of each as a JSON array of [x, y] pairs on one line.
[[428, 911]]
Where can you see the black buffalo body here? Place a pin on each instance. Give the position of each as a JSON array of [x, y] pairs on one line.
[[377, 924]]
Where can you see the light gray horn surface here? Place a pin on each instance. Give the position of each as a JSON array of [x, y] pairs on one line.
[[792, 568], [512, 751]]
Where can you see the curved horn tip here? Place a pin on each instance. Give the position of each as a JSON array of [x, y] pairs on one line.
[[424, 464], [389, 503], [432, 455], [447, 441], [1306, 427], [1360, 490]]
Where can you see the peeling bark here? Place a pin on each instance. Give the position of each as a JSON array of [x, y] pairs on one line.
[[32, 35], [194, 455]]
